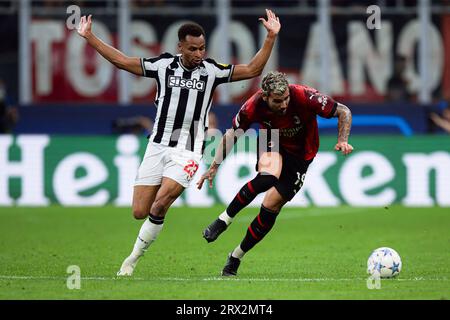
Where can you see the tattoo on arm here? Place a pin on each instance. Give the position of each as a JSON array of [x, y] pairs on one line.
[[344, 122]]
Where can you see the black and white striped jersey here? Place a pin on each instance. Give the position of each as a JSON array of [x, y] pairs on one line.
[[183, 99]]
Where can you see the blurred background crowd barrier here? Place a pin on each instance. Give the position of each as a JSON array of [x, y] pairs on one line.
[[388, 60], [399, 63]]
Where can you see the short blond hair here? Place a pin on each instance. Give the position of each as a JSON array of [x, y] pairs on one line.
[[275, 82]]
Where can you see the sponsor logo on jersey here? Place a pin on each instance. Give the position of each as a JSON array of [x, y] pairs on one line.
[[176, 81], [290, 132], [268, 123]]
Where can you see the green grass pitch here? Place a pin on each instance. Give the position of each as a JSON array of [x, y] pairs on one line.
[[312, 253]]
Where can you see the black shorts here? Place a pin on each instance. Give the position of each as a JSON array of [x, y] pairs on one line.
[[292, 175]]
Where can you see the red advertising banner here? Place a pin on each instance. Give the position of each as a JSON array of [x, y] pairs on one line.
[[66, 69]]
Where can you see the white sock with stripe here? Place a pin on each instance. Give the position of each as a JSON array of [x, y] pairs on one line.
[[147, 234]]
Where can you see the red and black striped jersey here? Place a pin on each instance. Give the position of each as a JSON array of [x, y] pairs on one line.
[[298, 130]]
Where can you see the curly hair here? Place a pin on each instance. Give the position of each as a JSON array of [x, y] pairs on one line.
[[275, 82], [190, 29]]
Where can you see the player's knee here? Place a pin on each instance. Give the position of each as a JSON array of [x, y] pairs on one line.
[[272, 170], [264, 181], [274, 205], [140, 213]]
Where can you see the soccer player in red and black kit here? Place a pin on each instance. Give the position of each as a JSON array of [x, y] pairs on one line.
[[288, 112]]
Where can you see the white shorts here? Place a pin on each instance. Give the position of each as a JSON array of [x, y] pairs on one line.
[[162, 161]]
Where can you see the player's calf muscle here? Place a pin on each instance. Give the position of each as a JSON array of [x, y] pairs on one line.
[[159, 208], [162, 204], [143, 198], [273, 200]]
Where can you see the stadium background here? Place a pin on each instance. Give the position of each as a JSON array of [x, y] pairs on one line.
[[81, 124]]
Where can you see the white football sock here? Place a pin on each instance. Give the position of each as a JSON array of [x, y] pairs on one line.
[[225, 218], [238, 253], [148, 233]]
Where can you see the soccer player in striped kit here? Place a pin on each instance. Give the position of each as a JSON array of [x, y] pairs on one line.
[[186, 83]]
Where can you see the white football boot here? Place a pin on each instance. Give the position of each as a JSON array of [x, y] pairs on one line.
[[128, 266]]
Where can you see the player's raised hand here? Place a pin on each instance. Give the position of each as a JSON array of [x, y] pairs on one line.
[[84, 28], [208, 175], [272, 24], [344, 147]]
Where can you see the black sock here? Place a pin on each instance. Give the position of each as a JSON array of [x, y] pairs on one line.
[[259, 227], [155, 219], [261, 183]]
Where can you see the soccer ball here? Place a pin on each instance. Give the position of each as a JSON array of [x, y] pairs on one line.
[[384, 263]]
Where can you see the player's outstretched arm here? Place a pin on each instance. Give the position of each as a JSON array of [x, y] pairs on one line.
[[257, 64], [117, 58], [225, 146], [344, 124]]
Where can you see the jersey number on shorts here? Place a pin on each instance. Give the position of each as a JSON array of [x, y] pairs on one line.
[[191, 168], [300, 180]]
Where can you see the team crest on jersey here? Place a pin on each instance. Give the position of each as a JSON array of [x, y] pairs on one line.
[[176, 81], [203, 71], [323, 100], [191, 168]]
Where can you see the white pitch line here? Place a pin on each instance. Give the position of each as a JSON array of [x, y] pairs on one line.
[[314, 279], [13, 277]]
